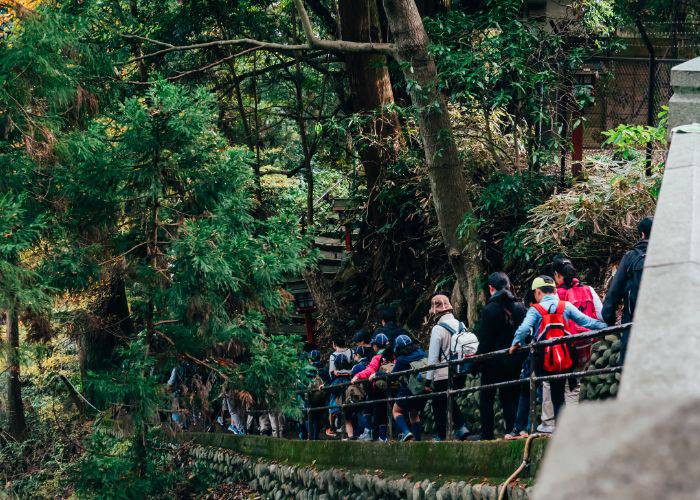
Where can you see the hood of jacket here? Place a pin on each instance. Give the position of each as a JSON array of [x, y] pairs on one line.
[[502, 296]]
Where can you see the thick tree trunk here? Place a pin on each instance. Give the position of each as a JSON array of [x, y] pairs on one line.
[[370, 90], [110, 326], [431, 7], [17, 424], [448, 182]]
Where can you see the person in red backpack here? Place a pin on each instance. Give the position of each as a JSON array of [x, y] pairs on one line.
[[548, 317], [586, 300]]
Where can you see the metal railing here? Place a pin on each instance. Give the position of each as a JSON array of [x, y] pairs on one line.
[[451, 392]]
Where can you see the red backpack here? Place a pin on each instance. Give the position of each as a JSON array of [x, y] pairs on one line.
[[582, 299], [556, 358]]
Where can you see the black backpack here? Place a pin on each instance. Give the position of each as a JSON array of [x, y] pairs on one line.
[[634, 278]]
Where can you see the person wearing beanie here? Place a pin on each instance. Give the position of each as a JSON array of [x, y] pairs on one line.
[[407, 352], [439, 351], [379, 342]]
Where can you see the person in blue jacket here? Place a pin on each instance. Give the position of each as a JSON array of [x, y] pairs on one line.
[[407, 352], [545, 293]]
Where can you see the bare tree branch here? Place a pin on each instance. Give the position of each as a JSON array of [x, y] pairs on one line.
[[274, 47], [314, 42], [340, 45]]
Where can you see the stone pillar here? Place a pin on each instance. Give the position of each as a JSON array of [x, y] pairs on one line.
[[684, 106], [646, 444]]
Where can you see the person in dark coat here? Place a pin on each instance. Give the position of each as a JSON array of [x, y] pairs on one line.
[[499, 320], [625, 284], [387, 316]]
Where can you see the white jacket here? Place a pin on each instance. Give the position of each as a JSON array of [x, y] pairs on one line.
[[439, 349]]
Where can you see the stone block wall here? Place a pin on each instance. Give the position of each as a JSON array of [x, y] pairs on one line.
[[276, 481]]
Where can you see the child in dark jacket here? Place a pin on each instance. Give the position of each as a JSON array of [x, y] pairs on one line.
[[407, 352], [340, 373]]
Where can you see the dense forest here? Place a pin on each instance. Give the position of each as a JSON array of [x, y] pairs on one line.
[[166, 167]]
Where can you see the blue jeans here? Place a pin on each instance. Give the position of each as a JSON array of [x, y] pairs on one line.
[[522, 416]]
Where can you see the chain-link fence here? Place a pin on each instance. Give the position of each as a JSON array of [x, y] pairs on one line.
[[622, 94]]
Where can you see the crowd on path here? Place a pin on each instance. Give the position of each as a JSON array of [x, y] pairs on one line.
[[356, 370]]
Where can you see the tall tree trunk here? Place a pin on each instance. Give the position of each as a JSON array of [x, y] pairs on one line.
[[448, 183], [109, 327], [431, 7], [370, 90], [17, 424]]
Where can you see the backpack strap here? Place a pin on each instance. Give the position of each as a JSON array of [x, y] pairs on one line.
[[441, 355], [449, 328], [561, 307], [540, 309]]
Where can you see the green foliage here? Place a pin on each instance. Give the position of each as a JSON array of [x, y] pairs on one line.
[[592, 222], [628, 140]]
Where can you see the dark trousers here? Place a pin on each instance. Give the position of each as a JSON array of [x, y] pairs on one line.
[[557, 388], [440, 410], [507, 395]]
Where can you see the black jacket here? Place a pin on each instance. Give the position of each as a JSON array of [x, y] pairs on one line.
[[618, 290], [497, 329]]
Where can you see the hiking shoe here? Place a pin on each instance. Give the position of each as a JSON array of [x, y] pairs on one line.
[[546, 429], [462, 433], [406, 437], [515, 435], [365, 436]]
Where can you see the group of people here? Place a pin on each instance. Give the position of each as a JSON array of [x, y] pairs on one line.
[[369, 369], [390, 364]]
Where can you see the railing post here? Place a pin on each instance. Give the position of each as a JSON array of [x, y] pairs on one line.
[[448, 399], [533, 390], [308, 416], [389, 418]]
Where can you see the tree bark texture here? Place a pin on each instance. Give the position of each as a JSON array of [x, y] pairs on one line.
[[17, 424], [448, 182], [429, 8], [370, 90]]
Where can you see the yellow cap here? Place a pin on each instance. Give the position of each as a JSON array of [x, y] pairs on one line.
[[539, 282]]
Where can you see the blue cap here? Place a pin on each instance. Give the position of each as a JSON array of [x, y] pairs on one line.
[[380, 340], [402, 341]]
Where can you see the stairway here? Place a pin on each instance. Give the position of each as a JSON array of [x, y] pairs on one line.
[[332, 246]]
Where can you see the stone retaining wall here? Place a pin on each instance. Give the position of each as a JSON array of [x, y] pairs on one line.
[[483, 459], [277, 481]]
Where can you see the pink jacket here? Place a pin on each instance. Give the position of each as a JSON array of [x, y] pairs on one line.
[[372, 367]]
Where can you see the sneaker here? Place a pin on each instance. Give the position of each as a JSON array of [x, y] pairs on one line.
[[546, 429], [220, 420], [330, 433], [383, 440], [462, 433], [234, 430], [437, 439], [515, 435], [366, 436], [406, 437]]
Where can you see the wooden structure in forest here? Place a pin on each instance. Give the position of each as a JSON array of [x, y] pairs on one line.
[[333, 247]]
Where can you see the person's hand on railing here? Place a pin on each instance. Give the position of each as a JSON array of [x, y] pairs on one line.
[[513, 348]]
